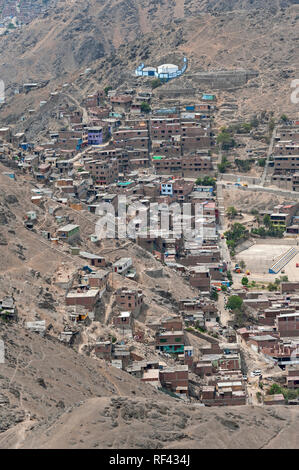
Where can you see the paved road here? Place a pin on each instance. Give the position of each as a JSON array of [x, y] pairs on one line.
[[258, 188]]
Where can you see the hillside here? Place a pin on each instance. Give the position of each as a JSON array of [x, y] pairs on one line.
[[70, 36], [113, 39], [49, 392], [56, 395]]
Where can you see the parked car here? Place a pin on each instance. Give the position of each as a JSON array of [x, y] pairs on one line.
[[256, 373]]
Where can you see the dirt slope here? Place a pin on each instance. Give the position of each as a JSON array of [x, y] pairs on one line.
[[53, 397], [113, 39]]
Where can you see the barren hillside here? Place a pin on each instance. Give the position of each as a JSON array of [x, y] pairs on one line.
[[113, 39], [49, 392]]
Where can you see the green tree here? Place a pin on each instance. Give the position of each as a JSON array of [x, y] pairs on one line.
[[245, 281], [271, 287], [231, 212], [242, 264], [237, 232], [214, 295], [261, 162], [234, 302], [225, 140], [223, 165], [145, 107], [254, 122], [271, 125], [206, 181], [106, 89], [247, 126], [274, 389], [267, 220]]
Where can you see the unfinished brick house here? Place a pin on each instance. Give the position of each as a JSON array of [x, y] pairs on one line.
[[98, 280], [103, 350], [175, 379], [123, 321], [121, 103], [288, 324], [172, 324], [103, 172], [228, 393], [93, 260], [292, 379], [289, 287], [276, 399], [129, 300], [199, 277], [85, 298], [257, 343], [189, 165]]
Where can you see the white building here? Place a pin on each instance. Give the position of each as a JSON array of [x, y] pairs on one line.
[[167, 68], [166, 189], [122, 265]]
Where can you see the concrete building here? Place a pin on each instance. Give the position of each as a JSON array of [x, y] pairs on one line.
[[122, 265]]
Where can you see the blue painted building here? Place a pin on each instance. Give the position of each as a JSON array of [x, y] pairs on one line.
[[163, 72]]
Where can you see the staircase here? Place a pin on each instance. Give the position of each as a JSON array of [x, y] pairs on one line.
[[283, 261]]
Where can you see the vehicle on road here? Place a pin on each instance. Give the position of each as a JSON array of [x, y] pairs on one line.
[[256, 373]]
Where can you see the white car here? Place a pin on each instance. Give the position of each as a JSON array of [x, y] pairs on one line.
[[256, 373]]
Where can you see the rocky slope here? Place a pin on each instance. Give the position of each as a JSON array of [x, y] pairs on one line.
[[71, 36], [52, 397], [113, 39]]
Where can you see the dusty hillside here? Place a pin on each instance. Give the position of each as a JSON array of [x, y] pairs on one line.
[[41, 379], [141, 423], [49, 391], [248, 201], [31, 280], [56, 49], [71, 36], [233, 5]]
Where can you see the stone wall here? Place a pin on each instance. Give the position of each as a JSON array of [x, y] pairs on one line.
[[224, 79]]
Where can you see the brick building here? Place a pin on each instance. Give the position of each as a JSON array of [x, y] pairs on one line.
[[103, 172], [129, 300], [175, 379], [170, 341]]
